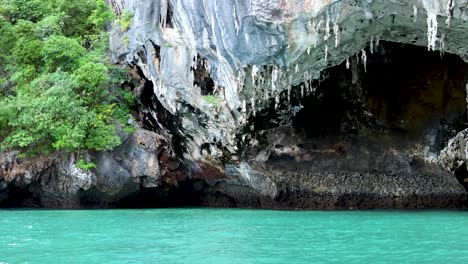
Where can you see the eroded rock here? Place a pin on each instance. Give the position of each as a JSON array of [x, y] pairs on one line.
[[56, 181], [277, 104]]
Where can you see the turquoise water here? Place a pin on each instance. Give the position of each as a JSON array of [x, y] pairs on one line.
[[233, 236]]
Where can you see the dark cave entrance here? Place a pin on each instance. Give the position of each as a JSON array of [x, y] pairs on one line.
[[406, 93], [391, 121]]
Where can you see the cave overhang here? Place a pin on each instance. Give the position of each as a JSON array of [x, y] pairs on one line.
[[256, 51]]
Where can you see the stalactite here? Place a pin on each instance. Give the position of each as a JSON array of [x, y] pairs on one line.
[[240, 80], [431, 31], [364, 59], [327, 28], [277, 101], [336, 32], [163, 14], [326, 53], [415, 13], [347, 64], [431, 7], [254, 74], [372, 45], [252, 101], [306, 80], [244, 107], [442, 45], [449, 11], [274, 77]]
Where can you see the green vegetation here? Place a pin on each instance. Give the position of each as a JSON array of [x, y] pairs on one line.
[[81, 164], [58, 89], [125, 20], [212, 99], [125, 40]]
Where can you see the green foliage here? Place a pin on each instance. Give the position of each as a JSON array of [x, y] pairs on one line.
[[81, 164], [212, 99], [169, 45], [58, 89], [8, 37], [125, 20], [92, 77], [27, 51], [32, 10], [75, 17], [101, 15], [62, 52], [129, 129], [49, 26]]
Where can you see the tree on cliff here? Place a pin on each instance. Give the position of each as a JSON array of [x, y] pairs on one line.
[[58, 89]]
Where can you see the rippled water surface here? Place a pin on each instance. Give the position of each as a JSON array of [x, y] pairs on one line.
[[233, 236]]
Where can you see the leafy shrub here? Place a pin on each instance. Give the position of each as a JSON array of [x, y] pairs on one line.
[[81, 164], [59, 90], [212, 99], [126, 20]]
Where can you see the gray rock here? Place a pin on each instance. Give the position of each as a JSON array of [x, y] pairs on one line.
[[240, 44], [56, 181]]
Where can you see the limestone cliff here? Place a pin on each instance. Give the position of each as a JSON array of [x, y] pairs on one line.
[[296, 104]]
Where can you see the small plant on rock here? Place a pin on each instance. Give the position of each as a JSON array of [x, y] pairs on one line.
[[212, 99], [126, 20]]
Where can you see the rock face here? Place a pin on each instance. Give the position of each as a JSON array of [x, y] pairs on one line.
[[278, 104], [245, 54], [55, 181]]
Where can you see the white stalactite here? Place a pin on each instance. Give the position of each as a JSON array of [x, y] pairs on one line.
[[415, 13], [254, 74], [336, 32], [432, 8], [277, 101], [274, 77], [431, 31], [364, 59], [327, 28], [254, 110], [164, 8]]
